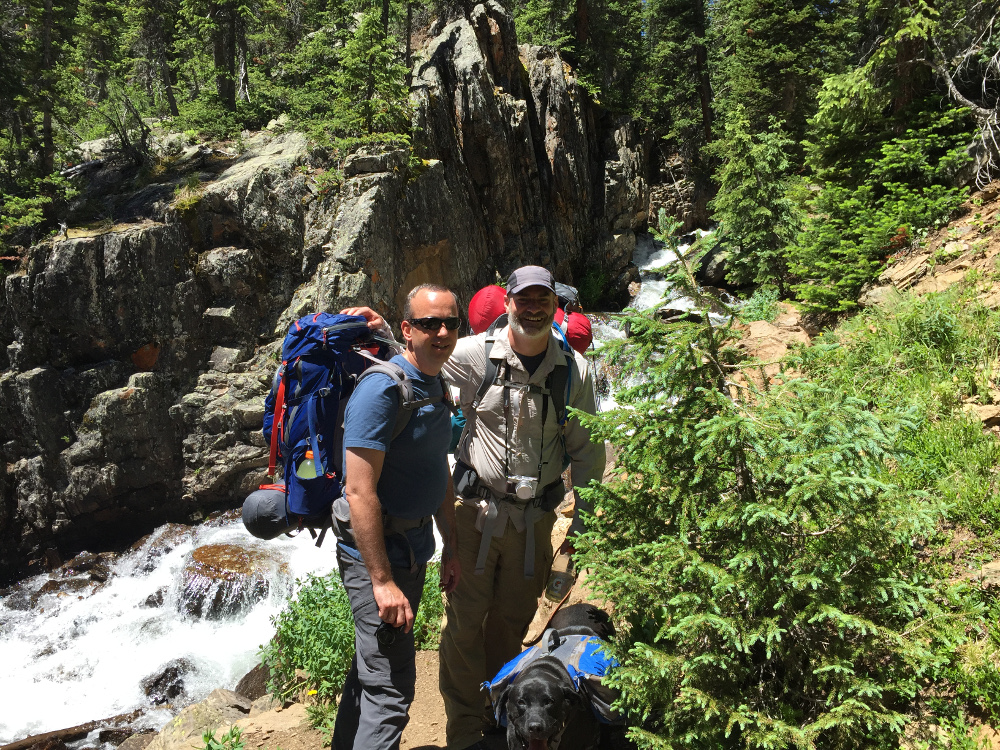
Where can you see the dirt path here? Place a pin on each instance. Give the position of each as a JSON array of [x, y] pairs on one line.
[[426, 728]]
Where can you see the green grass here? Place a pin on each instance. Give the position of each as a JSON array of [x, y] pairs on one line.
[[935, 355]]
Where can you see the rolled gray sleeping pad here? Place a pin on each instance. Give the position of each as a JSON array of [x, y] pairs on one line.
[[265, 514]]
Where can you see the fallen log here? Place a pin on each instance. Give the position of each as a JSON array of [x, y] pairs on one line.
[[71, 733]]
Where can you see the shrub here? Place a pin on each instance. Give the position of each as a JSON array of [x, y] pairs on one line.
[[757, 552], [231, 740], [315, 634], [427, 625], [593, 288], [762, 305], [207, 117]]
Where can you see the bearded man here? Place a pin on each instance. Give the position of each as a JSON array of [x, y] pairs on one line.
[[515, 387]]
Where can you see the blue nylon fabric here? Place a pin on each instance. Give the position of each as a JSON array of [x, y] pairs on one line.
[[315, 362]]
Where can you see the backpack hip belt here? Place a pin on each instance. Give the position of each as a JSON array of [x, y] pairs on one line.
[[392, 526], [497, 514]]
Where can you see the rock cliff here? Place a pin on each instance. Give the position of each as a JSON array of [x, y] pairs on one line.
[[135, 357]]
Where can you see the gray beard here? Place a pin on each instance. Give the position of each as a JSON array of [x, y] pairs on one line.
[[519, 330]]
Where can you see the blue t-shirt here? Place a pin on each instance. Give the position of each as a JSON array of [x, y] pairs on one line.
[[415, 472]]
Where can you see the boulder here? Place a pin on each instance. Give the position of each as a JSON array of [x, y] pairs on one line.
[[223, 580], [363, 162], [253, 685], [138, 740], [167, 684], [220, 710]]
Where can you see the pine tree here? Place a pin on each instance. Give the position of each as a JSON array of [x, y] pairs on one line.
[[771, 57], [100, 25], [372, 96], [151, 31], [757, 554], [870, 209], [757, 221], [676, 95], [601, 39]]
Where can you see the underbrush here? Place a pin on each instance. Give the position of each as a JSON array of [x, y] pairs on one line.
[[939, 356], [313, 644]]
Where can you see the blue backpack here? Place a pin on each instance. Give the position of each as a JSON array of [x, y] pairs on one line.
[[323, 357], [320, 366]]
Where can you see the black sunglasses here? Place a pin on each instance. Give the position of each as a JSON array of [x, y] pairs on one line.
[[433, 325]]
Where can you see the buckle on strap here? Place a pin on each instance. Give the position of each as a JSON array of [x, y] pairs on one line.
[[532, 514]]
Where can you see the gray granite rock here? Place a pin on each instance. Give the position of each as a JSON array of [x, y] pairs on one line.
[[135, 362]]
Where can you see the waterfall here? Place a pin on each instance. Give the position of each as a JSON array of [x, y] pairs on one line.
[[76, 649]]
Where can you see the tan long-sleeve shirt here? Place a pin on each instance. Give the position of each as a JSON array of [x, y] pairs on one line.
[[484, 445]]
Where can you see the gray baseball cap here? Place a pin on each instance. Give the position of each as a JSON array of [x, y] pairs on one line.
[[264, 514], [526, 276]]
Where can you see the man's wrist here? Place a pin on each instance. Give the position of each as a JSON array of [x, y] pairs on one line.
[[382, 579]]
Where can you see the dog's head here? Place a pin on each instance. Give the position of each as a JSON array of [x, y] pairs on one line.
[[539, 704]]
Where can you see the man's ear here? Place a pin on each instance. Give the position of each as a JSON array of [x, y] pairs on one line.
[[407, 328]]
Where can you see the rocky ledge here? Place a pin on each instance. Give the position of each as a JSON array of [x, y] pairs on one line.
[[135, 355]]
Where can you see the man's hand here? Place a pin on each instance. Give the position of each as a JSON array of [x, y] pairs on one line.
[[375, 321], [567, 547], [451, 571], [393, 606]]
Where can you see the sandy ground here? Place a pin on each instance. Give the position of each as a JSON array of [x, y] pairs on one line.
[[426, 727]]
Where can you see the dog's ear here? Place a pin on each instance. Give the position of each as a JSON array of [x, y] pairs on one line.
[[501, 704], [573, 698]]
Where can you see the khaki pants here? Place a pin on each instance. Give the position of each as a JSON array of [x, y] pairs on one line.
[[486, 618]]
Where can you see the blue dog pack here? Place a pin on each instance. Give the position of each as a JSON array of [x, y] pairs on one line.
[[585, 661]]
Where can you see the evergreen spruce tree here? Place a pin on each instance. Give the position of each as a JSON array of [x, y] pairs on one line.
[[372, 96], [874, 202], [151, 30], [676, 94], [756, 219], [601, 39], [758, 556], [100, 25], [771, 57]]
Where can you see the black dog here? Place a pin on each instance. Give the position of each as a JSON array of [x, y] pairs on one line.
[[541, 704], [544, 711]]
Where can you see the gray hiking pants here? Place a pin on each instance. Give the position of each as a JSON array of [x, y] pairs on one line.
[[375, 704]]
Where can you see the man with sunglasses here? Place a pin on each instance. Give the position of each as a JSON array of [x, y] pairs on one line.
[[394, 486], [510, 460]]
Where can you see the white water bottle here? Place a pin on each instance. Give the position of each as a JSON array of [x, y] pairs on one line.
[[307, 469]]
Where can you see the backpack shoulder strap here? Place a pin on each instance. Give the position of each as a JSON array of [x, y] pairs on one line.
[[491, 368], [560, 382], [404, 387], [278, 418]]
